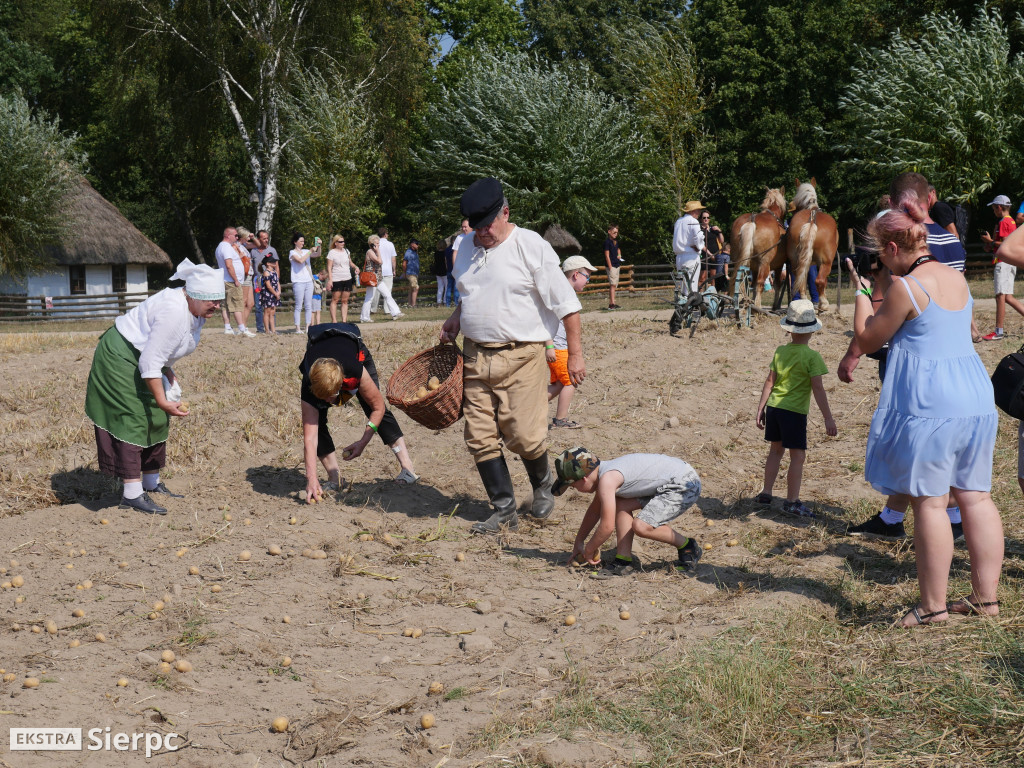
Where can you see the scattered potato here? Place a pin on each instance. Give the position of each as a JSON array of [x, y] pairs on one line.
[[366, 537], [307, 552], [183, 666], [10, 677], [100, 637], [709, 523], [104, 521], [70, 566], [417, 632], [318, 554], [407, 632], [273, 549], [51, 627], [123, 564], [247, 521], [153, 616], [596, 599], [361, 596], [435, 689], [15, 563], [459, 557], [167, 656], [87, 584], [292, 520], [227, 517], [30, 682], [244, 556], [74, 643], [78, 613], [731, 543], [193, 571], [624, 615], [421, 393], [216, 588], [18, 581], [6, 585], [286, 661], [286, 619], [163, 668], [279, 725], [427, 721], [122, 683], [181, 552], [433, 383], [570, 620], [36, 629], [158, 605]]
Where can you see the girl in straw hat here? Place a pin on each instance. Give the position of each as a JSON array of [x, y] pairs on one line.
[[132, 390]]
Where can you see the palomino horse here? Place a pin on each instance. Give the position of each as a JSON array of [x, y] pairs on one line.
[[757, 242], [813, 238]]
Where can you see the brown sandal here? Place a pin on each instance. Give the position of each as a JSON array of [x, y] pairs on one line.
[[972, 608]]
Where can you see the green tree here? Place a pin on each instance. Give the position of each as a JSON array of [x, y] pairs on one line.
[[334, 157], [40, 168], [566, 152], [592, 31], [778, 68], [947, 104], [668, 96]]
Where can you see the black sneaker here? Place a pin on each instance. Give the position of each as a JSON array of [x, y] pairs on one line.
[[877, 527], [689, 556], [958, 532], [144, 504], [797, 509], [615, 568], [161, 488]]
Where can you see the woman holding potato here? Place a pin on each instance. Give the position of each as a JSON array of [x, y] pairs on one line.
[[132, 388], [337, 367]]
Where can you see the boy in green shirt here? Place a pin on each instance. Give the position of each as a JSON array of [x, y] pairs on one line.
[[795, 374]]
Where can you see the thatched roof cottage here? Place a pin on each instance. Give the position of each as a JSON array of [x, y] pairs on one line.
[[102, 253]]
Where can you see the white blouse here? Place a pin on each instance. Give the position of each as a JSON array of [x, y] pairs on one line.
[[163, 329], [340, 264], [515, 291], [301, 273]]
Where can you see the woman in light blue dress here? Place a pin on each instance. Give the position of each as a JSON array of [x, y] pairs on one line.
[[935, 427]]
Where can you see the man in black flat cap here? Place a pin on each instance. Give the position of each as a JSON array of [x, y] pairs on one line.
[[513, 294]]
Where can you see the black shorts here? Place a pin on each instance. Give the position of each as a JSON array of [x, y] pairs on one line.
[[342, 286], [787, 427]]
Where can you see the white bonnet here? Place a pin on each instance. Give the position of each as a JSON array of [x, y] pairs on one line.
[[201, 282]]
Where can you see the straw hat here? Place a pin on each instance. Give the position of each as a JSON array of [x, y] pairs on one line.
[[693, 205], [800, 318]]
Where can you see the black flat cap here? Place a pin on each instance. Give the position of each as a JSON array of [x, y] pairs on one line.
[[482, 201]]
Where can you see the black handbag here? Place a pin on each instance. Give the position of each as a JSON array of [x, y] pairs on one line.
[[1008, 384]]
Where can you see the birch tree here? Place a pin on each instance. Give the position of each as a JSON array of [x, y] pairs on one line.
[[250, 47]]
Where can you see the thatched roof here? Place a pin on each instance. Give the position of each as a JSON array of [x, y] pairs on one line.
[[99, 234], [563, 243]]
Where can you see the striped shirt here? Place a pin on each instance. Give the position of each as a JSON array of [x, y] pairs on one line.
[[946, 247]]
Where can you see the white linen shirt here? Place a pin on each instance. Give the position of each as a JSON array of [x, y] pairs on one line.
[[162, 329], [301, 272], [687, 239], [515, 291], [388, 255], [226, 252]]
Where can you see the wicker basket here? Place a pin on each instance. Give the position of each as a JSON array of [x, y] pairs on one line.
[[441, 407]]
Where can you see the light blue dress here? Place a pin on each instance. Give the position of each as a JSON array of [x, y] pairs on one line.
[[936, 422]]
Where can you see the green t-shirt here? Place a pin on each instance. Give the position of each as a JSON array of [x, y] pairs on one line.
[[795, 365]]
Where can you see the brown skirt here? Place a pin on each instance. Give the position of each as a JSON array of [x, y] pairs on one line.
[[125, 460]]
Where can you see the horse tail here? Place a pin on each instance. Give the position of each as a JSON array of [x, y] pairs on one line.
[[804, 253], [743, 253]]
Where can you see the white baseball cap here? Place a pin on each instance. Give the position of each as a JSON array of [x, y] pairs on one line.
[[573, 263], [1001, 200]]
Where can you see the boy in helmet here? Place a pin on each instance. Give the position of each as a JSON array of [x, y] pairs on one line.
[[660, 488]]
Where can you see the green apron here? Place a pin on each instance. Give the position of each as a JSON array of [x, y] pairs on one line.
[[118, 400]]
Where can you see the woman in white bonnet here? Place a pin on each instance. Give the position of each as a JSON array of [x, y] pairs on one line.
[[133, 392]]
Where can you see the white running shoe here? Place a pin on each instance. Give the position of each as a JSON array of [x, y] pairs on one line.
[[243, 331], [229, 331]]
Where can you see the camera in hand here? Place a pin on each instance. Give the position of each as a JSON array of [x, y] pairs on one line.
[[865, 260]]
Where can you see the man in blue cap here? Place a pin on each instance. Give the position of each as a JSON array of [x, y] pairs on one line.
[[513, 294]]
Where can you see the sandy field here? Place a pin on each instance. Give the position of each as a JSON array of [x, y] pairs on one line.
[[406, 615]]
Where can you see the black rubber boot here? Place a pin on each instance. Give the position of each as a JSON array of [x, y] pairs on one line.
[[539, 471], [498, 484]]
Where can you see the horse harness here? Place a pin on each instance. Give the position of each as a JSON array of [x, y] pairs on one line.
[[759, 254]]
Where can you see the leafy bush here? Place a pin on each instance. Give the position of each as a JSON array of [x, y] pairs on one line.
[[40, 168]]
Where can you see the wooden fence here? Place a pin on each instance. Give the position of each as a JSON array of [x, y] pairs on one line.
[[633, 277]]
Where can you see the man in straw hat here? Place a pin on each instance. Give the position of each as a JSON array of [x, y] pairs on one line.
[[132, 388], [513, 294], [688, 241]]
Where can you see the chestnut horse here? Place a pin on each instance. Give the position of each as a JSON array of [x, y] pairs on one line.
[[757, 242], [813, 238]]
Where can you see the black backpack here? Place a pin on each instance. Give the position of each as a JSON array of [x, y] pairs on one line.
[[1008, 384], [962, 221]]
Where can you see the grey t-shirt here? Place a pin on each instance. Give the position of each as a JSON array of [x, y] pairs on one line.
[[644, 473]]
